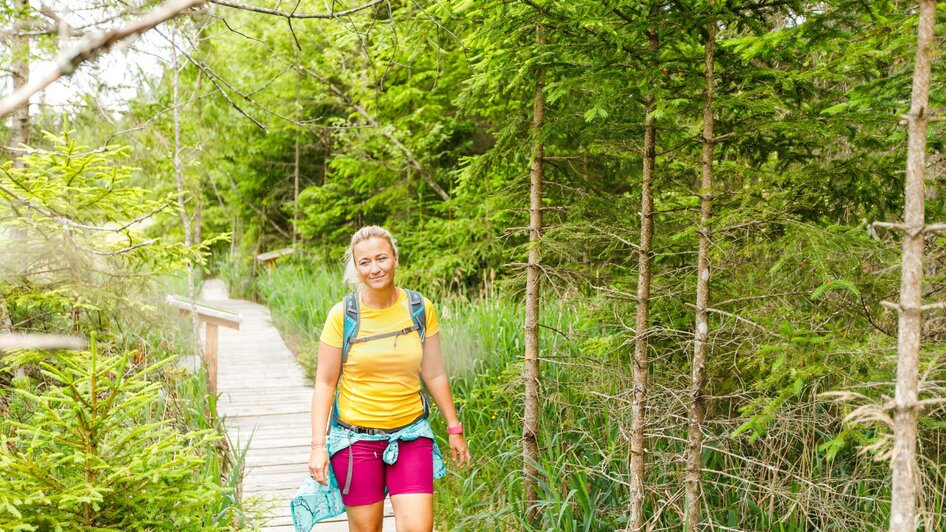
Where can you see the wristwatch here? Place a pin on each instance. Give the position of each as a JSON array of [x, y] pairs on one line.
[[456, 429]]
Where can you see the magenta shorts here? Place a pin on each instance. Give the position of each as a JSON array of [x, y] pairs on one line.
[[413, 472]]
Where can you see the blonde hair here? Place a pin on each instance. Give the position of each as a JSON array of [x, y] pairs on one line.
[[367, 232]]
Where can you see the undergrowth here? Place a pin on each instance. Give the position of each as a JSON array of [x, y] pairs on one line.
[[791, 476]]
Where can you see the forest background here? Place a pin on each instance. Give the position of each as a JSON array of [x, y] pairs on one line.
[[269, 128]]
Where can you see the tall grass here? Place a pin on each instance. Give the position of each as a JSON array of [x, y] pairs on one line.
[[186, 401], [780, 481], [300, 299]]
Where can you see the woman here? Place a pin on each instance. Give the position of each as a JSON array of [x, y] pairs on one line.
[[379, 438]]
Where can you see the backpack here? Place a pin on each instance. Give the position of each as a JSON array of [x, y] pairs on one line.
[[418, 312], [353, 318]]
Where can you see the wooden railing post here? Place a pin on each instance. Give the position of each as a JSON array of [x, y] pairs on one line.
[[214, 318], [210, 356]]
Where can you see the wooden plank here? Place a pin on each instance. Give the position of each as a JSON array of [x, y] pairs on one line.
[[264, 410], [266, 403], [266, 400]]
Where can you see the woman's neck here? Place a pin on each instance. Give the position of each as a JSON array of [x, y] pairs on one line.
[[380, 299]]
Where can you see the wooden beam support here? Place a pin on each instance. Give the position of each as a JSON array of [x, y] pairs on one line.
[[210, 356]]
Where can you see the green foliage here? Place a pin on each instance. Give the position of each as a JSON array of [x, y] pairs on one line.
[[97, 453], [115, 438], [383, 103], [73, 248]]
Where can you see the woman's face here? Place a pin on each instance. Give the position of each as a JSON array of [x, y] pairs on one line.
[[375, 262]]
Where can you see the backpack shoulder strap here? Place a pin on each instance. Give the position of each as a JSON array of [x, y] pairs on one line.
[[418, 312], [352, 319], [415, 304]]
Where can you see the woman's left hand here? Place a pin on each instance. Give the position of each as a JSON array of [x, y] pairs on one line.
[[461, 454]]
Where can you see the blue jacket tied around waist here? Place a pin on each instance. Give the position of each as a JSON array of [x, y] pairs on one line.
[[314, 502]]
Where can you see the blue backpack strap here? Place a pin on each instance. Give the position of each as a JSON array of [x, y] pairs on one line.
[[418, 312], [419, 316], [352, 319]]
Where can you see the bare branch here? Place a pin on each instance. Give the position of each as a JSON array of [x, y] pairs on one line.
[[94, 45], [43, 342], [293, 14], [936, 228], [740, 319], [213, 77], [113, 252]]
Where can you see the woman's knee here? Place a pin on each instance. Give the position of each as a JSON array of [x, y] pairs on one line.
[[413, 512], [366, 518]]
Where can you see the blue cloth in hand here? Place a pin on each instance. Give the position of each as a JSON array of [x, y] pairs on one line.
[[314, 502]]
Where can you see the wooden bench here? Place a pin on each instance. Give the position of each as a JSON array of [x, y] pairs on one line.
[[214, 318], [269, 258]]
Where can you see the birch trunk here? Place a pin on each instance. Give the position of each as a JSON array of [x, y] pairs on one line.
[[694, 470], [532, 374], [20, 72], [182, 209], [642, 324], [903, 462]]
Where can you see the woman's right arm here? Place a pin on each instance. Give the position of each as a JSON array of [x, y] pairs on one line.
[[326, 378]]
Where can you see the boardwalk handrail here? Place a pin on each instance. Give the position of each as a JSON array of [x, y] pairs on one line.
[[205, 312], [269, 258], [213, 318], [273, 255]]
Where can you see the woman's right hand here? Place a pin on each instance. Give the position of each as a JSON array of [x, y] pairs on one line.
[[318, 465]]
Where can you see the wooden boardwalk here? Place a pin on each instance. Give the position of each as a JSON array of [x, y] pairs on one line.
[[266, 399]]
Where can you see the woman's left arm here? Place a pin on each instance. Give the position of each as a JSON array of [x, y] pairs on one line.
[[434, 373]]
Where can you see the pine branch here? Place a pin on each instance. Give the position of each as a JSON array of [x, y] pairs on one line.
[[70, 224]]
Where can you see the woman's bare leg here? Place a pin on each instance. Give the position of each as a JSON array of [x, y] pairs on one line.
[[413, 512], [365, 518]]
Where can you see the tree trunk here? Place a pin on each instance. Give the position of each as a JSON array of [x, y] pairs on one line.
[[20, 70], [198, 218], [640, 365], [295, 172], [532, 374], [6, 322], [694, 469], [295, 194], [903, 462], [182, 209]]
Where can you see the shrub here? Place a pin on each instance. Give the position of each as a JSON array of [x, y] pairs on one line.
[[98, 453]]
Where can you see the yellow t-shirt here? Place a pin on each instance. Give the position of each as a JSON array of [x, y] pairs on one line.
[[381, 378]]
